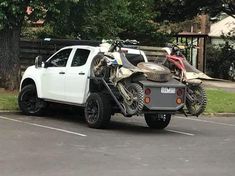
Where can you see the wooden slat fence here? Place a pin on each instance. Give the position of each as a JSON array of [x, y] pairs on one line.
[[154, 54], [29, 49]]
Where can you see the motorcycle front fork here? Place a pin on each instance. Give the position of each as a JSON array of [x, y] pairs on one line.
[[123, 91], [188, 96]]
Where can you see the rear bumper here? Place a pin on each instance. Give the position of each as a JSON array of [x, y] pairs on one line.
[[160, 101]]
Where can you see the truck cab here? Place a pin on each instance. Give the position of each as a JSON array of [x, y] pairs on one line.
[[64, 76]]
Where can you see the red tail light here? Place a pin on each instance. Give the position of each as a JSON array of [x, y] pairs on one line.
[[147, 91], [179, 92]]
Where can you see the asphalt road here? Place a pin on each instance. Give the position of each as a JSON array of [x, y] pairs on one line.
[[62, 145]]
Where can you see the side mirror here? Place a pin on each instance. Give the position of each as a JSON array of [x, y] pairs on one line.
[[38, 62]]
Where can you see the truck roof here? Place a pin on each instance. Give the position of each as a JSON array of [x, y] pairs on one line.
[[128, 50]]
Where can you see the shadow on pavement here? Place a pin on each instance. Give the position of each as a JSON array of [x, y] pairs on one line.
[[118, 123]]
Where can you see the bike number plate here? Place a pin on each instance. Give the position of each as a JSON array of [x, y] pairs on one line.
[[167, 90]]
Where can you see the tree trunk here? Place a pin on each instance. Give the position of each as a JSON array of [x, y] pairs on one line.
[[9, 58]]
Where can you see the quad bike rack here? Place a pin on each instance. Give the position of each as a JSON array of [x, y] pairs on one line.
[[107, 86]]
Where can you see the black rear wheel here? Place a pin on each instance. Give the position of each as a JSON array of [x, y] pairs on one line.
[[29, 102], [157, 121], [98, 110]]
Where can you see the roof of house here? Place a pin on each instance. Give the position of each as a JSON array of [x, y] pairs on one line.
[[222, 27]]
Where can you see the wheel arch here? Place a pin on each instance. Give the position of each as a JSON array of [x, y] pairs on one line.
[[28, 81]]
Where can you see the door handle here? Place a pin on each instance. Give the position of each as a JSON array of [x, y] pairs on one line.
[[81, 73], [61, 73]]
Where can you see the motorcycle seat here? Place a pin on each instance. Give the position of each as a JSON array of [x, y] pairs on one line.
[[126, 63]]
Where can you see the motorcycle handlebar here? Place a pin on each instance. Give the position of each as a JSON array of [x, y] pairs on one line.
[[120, 43], [130, 42]]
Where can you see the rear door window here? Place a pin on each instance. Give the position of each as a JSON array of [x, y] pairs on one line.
[[80, 57]]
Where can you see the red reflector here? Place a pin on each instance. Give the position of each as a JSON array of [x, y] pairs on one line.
[[179, 92], [179, 101], [147, 100], [147, 91]]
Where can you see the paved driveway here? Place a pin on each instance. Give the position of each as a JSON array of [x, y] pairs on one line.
[[62, 145], [223, 84]]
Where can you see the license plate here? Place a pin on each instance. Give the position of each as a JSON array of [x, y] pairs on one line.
[[167, 90]]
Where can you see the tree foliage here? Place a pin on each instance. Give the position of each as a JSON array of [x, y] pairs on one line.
[[219, 60], [12, 15], [94, 19], [97, 19], [181, 10], [228, 6], [145, 20]]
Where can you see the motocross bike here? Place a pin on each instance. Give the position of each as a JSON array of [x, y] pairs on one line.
[[183, 71], [113, 66]]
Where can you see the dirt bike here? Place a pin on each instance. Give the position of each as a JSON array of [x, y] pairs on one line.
[[196, 99], [113, 66]]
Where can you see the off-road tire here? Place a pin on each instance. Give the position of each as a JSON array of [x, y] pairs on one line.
[[202, 98], [155, 121], [29, 103], [98, 110], [155, 72], [103, 74], [137, 106]]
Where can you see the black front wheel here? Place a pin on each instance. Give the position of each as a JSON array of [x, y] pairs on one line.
[[157, 121], [29, 103], [97, 110], [196, 100], [136, 103]]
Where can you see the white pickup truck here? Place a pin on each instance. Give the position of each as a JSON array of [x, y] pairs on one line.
[[65, 78]]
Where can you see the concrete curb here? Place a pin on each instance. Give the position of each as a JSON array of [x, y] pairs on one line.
[[219, 114], [204, 114], [9, 111]]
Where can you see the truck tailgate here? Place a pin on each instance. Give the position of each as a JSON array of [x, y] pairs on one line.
[[164, 95]]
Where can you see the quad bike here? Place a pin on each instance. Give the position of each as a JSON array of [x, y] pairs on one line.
[[114, 67], [183, 71]]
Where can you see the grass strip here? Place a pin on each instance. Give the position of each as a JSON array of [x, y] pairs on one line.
[[220, 101], [8, 100]]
